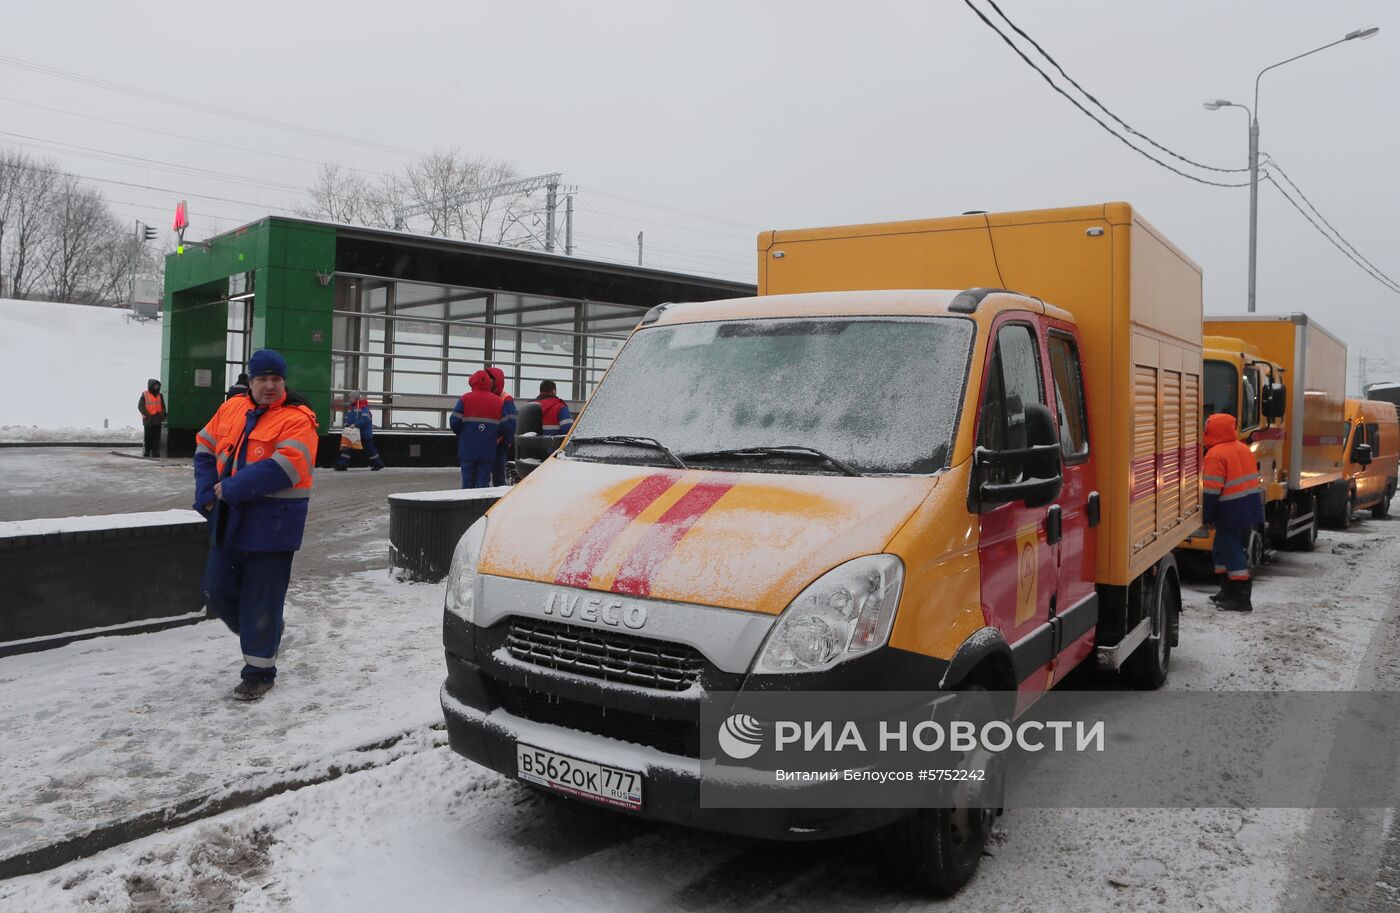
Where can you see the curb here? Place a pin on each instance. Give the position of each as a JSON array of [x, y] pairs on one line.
[[217, 801]]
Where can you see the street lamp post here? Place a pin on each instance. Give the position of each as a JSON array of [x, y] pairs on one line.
[[1254, 145]]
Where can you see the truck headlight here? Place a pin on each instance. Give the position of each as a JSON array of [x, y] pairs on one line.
[[461, 575], [847, 612]]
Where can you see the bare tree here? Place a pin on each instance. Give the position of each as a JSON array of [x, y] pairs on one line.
[[77, 247], [339, 195], [385, 202], [457, 195], [436, 183], [26, 191], [495, 212]]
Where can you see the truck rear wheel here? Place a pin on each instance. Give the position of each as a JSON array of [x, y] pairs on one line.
[[1150, 663], [1381, 509], [937, 850]]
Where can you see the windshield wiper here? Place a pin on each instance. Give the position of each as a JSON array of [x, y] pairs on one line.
[[787, 450], [649, 442]]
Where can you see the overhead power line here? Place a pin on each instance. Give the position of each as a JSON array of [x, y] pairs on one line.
[[1101, 106], [122, 158], [192, 105], [1374, 274], [184, 136], [675, 209], [1091, 115], [1273, 167]]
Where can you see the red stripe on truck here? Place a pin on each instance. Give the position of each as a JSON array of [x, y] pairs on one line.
[[577, 569], [661, 539]]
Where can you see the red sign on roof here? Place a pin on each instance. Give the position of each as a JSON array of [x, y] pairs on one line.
[[182, 220]]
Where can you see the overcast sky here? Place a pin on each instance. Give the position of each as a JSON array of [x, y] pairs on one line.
[[703, 123]]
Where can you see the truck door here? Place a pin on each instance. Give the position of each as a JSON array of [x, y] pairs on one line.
[[1371, 483], [1074, 605], [1017, 565]]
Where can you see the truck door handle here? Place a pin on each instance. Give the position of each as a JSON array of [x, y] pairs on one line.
[[1092, 508], [1054, 525]]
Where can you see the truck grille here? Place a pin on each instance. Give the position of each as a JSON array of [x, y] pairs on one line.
[[677, 737], [606, 655]]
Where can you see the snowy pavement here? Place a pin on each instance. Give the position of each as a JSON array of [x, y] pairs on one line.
[[92, 726]]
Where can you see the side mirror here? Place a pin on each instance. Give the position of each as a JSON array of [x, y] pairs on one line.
[[1275, 400], [1361, 454], [1038, 464]]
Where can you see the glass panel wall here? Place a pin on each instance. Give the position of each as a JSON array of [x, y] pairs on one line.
[[412, 347], [542, 348], [605, 326]]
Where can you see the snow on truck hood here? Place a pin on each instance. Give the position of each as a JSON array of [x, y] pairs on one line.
[[736, 540]]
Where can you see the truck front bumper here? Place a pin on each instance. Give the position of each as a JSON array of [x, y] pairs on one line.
[[485, 732]]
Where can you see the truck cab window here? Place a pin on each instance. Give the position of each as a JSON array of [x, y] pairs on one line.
[[1373, 434], [1014, 381], [1221, 388], [1249, 409], [1069, 396]]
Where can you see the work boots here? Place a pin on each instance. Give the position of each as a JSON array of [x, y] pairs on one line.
[[1220, 593], [1236, 596]]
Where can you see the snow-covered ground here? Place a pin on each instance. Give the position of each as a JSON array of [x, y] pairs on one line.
[[343, 795], [101, 730], [82, 371]]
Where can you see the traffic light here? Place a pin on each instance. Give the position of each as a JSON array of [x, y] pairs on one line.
[[148, 233]]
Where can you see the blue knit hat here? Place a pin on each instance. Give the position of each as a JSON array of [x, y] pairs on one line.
[[267, 361]]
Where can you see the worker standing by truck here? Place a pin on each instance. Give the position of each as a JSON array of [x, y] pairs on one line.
[[1233, 505]]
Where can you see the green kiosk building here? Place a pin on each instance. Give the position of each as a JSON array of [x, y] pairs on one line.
[[404, 318]]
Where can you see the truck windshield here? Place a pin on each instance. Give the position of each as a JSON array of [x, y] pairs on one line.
[[879, 395], [1222, 386]]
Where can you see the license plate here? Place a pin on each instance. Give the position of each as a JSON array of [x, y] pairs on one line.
[[577, 777]]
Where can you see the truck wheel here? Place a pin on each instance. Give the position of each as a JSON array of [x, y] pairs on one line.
[[937, 850], [1147, 668], [1255, 549], [1348, 511], [1381, 509]]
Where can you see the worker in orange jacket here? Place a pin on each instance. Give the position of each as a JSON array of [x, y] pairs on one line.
[[1233, 506], [152, 408], [252, 468]]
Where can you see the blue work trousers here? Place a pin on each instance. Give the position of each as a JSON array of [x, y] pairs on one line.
[[1228, 552], [477, 473], [248, 590], [498, 471]]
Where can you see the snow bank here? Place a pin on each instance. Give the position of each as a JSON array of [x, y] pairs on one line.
[[87, 524], [454, 494], [80, 366]]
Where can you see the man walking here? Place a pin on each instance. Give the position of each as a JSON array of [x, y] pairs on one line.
[[1233, 505], [476, 420], [252, 469], [152, 406], [359, 417]]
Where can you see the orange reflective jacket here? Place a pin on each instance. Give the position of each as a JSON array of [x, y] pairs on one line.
[[285, 434], [154, 404], [1230, 476], [263, 459]]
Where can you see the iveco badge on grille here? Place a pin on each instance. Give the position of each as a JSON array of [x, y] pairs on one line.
[[595, 610]]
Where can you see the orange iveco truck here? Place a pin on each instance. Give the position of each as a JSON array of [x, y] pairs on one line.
[[886, 472], [1314, 366]]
